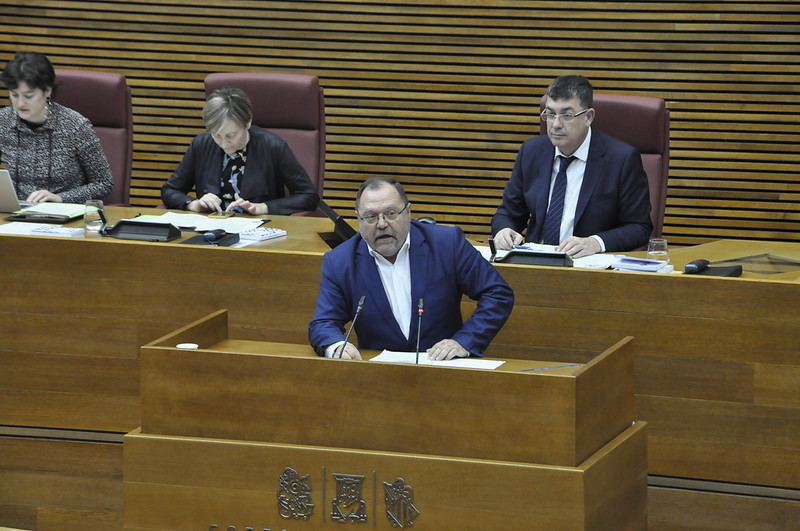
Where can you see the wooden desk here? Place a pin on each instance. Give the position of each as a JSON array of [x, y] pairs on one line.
[[223, 421], [732, 250], [717, 359]]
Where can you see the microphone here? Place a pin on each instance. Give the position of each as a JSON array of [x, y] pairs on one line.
[[352, 324], [103, 220], [420, 311], [213, 236]]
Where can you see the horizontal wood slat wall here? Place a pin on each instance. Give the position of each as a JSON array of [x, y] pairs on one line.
[[441, 94]]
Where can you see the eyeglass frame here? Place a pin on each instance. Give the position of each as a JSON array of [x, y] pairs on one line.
[[549, 116], [374, 220]]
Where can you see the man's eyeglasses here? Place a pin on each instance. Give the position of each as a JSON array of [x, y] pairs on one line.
[[566, 117], [390, 215]]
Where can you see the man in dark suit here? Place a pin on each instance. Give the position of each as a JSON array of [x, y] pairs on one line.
[[596, 200], [394, 262]]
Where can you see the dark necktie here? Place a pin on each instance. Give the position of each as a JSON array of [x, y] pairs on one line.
[[551, 233]]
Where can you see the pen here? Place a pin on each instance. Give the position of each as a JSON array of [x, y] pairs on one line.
[[554, 367]]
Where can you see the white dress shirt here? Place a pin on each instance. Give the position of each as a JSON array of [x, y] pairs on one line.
[[575, 173], [396, 280]]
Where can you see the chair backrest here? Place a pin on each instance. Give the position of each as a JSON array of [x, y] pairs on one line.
[[104, 98], [643, 123], [290, 105]]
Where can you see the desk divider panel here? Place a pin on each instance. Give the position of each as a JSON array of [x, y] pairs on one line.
[[178, 483]]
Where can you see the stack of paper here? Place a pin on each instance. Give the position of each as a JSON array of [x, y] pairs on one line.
[[627, 263]]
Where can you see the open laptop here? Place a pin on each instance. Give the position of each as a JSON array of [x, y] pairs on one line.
[[8, 195]]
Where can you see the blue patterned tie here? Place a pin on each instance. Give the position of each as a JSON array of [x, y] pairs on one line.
[[551, 233]]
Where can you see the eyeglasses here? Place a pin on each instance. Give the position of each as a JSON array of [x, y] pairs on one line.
[[390, 215], [566, 117]]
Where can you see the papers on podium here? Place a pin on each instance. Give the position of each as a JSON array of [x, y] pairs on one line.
[[390, 356]]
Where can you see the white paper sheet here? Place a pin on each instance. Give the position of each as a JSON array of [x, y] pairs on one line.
[[390, 356], [57, 209], [203, 223], [23, 228]]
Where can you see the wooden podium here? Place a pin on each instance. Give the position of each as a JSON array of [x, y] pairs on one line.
[[240, 434]]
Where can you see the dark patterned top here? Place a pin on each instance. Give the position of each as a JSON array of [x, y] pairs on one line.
[[63, 156]]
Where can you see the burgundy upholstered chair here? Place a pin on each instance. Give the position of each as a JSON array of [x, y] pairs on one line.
[[643, 123], [105, 99], [290, 105]]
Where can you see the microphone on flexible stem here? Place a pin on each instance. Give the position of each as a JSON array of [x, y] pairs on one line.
[[420, 311], [352, 323]]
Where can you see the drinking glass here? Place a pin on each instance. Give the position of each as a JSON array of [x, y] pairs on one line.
[[657, 249], [91, 215]]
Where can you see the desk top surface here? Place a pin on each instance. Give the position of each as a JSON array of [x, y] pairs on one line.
[[764, 260], [538, 367]]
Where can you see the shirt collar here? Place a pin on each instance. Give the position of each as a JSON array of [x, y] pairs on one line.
[[582, 153]]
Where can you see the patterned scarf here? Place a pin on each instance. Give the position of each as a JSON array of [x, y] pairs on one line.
[[232, 175]]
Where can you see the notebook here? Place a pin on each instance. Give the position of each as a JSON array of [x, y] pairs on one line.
[[8, 195]]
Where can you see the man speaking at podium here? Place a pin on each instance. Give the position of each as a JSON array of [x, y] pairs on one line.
[[395, 270]]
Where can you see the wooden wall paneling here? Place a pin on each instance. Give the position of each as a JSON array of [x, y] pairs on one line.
[[680, 510], [58, 485], [441, 95]]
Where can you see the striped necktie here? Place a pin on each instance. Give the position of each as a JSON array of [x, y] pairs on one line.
[[551, 233]]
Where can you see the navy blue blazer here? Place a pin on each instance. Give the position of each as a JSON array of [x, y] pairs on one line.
[[271, 169], [443, 267], [614, 201]]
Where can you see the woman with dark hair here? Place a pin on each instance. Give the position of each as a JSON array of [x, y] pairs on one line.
[[238, 167], [51, 152]]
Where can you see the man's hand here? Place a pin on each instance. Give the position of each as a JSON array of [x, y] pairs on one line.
[[350, 352], [579, 247], [507, 238], [446, 349]]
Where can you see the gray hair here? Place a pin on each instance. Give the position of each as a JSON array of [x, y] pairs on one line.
[[227, 103]]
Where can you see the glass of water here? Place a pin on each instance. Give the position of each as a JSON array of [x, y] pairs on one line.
[[657, 249], [91, 215]]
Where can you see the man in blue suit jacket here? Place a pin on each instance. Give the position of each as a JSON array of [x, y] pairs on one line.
[[394, 263], [606, 203]]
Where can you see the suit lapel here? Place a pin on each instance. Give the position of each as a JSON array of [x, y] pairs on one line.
[[213, 181], [374, 288], [592, 173], [541, 190], [418, 257], [255, 168]]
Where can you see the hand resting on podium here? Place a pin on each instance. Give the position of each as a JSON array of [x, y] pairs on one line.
[[445, 349]]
